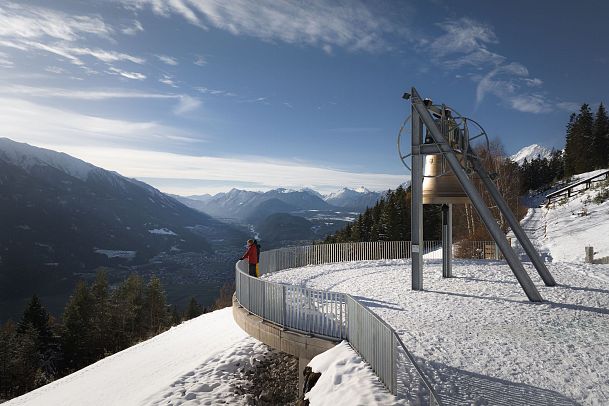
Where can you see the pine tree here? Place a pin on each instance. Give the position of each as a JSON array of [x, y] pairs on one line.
[[571, 146], [128, 313], [36, 327], [600, 138], [102, 315], [155, 307], [585, 123], [8, 351], [78, 323], [194, 309], [36, 316]]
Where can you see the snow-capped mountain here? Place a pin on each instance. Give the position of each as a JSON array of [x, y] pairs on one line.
[[357, 199], [531, 152], [243, 204], [62, 218]]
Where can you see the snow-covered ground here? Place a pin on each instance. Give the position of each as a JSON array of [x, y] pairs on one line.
[[195, 363], [347, 380], [477, 336], [565, 228]]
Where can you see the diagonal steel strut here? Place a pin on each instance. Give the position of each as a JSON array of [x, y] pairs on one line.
[[511, 219], [471, 191]]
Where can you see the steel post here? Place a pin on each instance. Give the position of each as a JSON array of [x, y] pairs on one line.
[[447, 240], [416, 224]]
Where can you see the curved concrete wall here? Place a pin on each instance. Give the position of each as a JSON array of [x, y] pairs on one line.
[[299, 345]]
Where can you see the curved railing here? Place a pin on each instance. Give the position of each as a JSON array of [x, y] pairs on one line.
[[337, 316]]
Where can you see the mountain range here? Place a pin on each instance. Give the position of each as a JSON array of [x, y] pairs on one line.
[[251, 206], [63, 219]]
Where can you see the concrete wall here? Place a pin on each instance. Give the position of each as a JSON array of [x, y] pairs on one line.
[[299, 345]]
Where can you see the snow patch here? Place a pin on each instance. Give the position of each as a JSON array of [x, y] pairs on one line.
[[117, 253], [347, 380], [162, 231]]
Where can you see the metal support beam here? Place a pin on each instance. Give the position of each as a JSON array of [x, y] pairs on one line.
[[447, 240], [542, 270], [417, 202], [469, 188]]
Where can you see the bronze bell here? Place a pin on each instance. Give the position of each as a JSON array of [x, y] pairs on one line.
[[444, 189]]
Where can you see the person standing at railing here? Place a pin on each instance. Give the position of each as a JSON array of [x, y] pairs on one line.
[[252, 257]]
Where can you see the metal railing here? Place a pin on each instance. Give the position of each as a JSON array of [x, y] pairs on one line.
[[337, 315], [295, 257]]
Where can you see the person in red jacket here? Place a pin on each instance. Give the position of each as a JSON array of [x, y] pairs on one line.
[[252, 256]]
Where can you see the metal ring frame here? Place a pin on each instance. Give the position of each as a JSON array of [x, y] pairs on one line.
[[460, 121]]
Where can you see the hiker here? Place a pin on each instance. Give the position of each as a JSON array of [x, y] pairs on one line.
[[252, 257]]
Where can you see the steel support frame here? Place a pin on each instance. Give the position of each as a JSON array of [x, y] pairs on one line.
[[483, 211], [416, 223], [522, 237]]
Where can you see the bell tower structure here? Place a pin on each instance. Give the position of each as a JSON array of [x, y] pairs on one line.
[[443, 164]]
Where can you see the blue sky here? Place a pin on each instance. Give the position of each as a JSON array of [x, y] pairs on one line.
[[198, 96]]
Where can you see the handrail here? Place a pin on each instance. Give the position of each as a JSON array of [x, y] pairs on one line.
[[330, 314], [568, 188]]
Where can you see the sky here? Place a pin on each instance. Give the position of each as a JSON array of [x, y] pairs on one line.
[[201, 96]]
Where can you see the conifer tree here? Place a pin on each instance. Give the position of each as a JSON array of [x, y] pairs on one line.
[[194, 309], [128, 312], [102, 315], [571, 146], [579, 142], [600, 138], [155, 307], [78, 328]]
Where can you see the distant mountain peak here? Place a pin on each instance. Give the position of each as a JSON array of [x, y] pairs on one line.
[[531, 152], [27, 156]]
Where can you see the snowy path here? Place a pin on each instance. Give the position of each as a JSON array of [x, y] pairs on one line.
[[477, 336], [193, 363]]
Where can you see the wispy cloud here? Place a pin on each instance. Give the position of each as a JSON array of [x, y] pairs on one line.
[[5, 60], [133, 29], [127, 74], [570, 107], [353, 26], [187, 104], [43, 125], [168, 80], [465, 46], [78, 94], [262, 100], [55, 69], [30, 22], [465, 42], [507, 82], [215, 92], [167, 60], [258, 171], [200, 60], [34, 29]]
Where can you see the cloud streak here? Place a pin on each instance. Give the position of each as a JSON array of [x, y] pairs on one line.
[[465, 44], [31, 122], [30, 22], [168, 60], [260, 172], [325, 25]]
